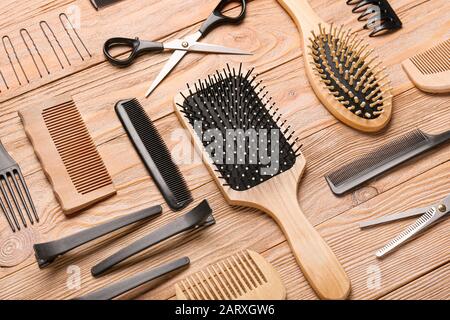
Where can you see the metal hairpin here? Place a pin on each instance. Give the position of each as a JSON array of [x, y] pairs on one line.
[[14, 52], [43, 24], [24, 32], [430, 215], [380, 16], [63, 15]]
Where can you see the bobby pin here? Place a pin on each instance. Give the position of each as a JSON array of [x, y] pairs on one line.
[[24, 32], [4, 81], [44, 23], [16, 57], [63, 15]]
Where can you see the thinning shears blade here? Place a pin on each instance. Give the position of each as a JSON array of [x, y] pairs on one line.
[[171, 63]]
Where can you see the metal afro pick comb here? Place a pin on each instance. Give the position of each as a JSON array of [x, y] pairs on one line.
[[430, 215]]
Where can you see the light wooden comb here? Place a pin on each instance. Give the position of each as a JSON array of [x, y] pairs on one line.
[[243, 276], [430, 69], [67, 153]]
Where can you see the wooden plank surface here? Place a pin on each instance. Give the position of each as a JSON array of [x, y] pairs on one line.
[[268, 32]]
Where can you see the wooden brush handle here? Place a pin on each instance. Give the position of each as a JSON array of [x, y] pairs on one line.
[[302, 14], [318, 263]]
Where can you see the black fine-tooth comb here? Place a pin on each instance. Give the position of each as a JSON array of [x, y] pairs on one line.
[[382, 159], [378, 14], [99, 4], [154, 153], [15, 196], [256, 161]]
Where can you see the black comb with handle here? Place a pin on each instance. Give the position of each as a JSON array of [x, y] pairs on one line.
[[382, 159], [154, 153]]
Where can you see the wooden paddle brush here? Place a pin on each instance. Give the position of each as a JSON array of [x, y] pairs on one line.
[[255, 162], [346, 79]]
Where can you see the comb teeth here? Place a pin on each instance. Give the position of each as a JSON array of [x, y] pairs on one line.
[[377, 158], [164, 171], [230, 279], [433, 60], [76, 148], [407, 233], [250, 142], [344, 66]]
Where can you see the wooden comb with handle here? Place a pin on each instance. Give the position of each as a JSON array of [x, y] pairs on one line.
[[430, 69], [215, 105], [243, 276]]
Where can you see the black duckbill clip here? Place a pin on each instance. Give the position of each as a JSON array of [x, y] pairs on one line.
[[200, 216], [121, 287], [47, 252], [380, 16]]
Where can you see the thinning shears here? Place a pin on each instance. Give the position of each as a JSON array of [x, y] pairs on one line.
[[180, 46], [429, 216]]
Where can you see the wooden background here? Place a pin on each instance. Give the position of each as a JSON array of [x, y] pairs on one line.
[[420, 270]]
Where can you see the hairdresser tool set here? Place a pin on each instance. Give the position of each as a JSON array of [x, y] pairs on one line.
[[249, 148]]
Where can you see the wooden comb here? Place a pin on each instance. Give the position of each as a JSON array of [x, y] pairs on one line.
[[342, 71], [243, 276], [67, 153], [430, 69]]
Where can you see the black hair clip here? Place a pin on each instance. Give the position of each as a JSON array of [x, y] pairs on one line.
[[200, 216], [380, 16], [119, 288], [47, 252]]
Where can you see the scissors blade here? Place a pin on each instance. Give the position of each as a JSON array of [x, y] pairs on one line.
[[171, 63], [393, 217], [212, 48]]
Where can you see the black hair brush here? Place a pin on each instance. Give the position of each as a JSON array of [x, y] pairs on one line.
[[255, 162]]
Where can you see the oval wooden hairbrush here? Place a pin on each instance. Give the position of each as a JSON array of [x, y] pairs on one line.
[[236, 126], [345, 77]]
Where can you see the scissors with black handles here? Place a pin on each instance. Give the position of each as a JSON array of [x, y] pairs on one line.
[[180, 46]]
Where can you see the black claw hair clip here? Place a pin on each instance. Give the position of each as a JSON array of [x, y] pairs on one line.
[[378, 14]]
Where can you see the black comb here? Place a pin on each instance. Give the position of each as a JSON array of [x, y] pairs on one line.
[[99, 4], [14, 193], [237, 101], [382, 159], [380, 16], [154, 153]]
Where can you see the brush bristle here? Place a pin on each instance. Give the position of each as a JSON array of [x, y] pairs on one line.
[[247, 124], [347, 71]]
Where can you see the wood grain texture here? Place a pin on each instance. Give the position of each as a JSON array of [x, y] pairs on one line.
[[269, 32], [420, 289]]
